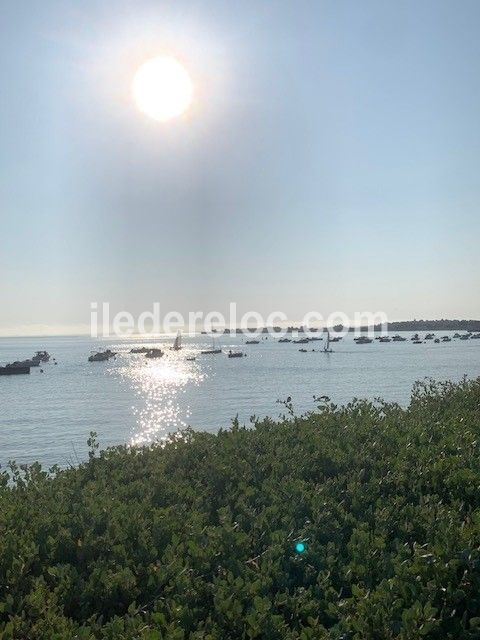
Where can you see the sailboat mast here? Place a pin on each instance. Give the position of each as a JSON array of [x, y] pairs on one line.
[[326, 348]]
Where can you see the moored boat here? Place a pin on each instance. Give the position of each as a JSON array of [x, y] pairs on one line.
[[363, 340], [10, 370], [177, 345], [102, 356], [326, 346], [42, 356], [213, 350], [18, 364], [154, 353]]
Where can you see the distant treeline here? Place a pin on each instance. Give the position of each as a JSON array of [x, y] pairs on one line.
[[434, 325], [404, 325]]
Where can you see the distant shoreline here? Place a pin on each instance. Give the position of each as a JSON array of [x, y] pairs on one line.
[[399, 325], [402, 325]]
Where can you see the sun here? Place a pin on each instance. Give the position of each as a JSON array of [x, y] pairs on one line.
[[162, 88]]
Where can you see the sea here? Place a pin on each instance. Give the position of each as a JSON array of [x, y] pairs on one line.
[[47, 417]]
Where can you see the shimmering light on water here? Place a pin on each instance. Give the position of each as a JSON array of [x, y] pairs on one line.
[[159, 383]]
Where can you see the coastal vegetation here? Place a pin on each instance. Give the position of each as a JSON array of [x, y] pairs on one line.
[[356, 522]]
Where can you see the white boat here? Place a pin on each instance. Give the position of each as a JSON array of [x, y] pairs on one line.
[[213, 350]]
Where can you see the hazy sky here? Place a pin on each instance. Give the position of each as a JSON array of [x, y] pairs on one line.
[[330, 160]]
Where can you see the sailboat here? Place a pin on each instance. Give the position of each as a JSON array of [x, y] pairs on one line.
[[177, 345], [213, 349], [326, 346]]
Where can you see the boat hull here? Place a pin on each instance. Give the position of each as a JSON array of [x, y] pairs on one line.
[[13, 371]]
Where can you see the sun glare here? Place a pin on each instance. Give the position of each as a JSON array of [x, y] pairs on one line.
[[162, 88]]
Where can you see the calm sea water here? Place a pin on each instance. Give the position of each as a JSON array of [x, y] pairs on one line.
[[48, 417]]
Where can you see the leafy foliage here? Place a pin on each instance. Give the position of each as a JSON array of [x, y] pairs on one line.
[[196, 539]]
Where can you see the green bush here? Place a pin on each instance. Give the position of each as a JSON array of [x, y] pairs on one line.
[[196, 539]]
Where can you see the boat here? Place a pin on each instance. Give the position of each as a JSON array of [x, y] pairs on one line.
[[303, 350], [476, 336], [302, 341], [336, 339], [384, 339], [398, 338], [236, 354], [252, 342], [417, 342], [284, 340], [326, 346], [24, 363], [429, 336], [154, 353], [437, 340], [10, 370], [465, 337], [177, 345], [140, 350], [213, 350], [102, 356], [42, 356], [191, 358], [363, 340], [446, 339], [415, 337]]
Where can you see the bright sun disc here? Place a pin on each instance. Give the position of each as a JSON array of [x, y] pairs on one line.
[[162, 88]]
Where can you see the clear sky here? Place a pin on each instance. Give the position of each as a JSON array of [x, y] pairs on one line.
[[330, 160]]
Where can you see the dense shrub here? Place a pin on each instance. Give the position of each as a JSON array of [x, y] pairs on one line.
[[196, 539]]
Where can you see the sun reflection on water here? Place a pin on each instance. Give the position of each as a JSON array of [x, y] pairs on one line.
[[158, 383]]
